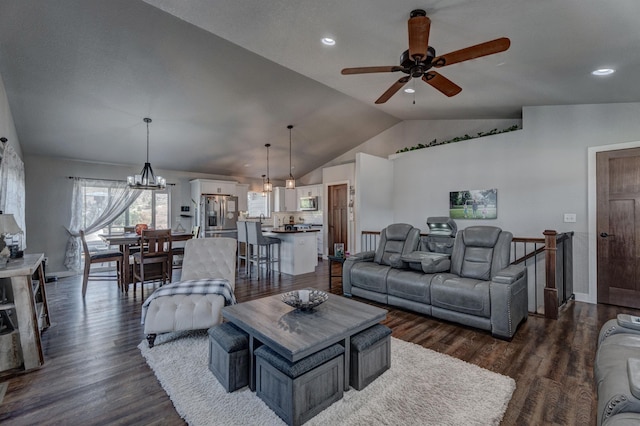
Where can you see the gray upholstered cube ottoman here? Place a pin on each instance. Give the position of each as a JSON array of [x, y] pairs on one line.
[[298, 391], [370, 355], [229, 355]]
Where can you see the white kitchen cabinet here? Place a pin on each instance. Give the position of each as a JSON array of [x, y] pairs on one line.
[[284, 200], [320, 243], [242, 190], [308, 191], [208, 186]]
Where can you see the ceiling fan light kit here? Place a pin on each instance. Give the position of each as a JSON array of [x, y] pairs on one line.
[[419, 60]]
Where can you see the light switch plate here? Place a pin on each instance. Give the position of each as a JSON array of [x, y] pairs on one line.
[[569, 217]]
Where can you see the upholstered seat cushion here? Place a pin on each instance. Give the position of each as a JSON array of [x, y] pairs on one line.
[[297, 369], [410, 285], [368, 337], [229, 337], [183, 312], [465, 295], [370, 276], [106, 254]]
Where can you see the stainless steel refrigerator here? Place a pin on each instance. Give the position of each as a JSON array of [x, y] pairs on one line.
[[218, 213]]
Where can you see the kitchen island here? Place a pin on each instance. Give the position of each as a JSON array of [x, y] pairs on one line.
[[298, 250]]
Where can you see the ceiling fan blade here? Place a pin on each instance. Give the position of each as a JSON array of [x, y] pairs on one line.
[[419, 26], [393, 89], [441, 83], [366, 70], [483, 49]]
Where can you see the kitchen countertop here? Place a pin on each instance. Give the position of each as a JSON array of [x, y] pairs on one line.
[[295, 231]]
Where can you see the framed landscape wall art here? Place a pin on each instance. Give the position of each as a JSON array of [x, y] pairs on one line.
[[474, 204]]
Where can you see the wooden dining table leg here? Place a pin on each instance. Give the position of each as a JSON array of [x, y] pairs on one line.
[[124, 248]]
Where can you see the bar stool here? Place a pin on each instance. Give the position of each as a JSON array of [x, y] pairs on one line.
[[242, 239], [260, 248]]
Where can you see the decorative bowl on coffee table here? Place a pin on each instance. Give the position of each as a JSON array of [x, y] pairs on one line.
[[305, 300]]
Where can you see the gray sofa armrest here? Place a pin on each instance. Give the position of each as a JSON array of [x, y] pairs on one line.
[[395, 261], [612, 327], [365, 256], [509, 300], [510, 274]]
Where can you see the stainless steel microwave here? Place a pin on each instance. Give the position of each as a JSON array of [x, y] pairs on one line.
[[308, 203]]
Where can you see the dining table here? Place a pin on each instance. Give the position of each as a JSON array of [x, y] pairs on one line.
[[126, 240]]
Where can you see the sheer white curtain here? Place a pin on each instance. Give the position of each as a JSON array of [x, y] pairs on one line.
[[120, 197], [12, 190]]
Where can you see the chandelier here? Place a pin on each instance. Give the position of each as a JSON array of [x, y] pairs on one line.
[[291, 182], [147, 179], [267, 186]]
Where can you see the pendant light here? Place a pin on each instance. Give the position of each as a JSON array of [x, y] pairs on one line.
[[264, 194], [267, 187], [291, 182], [147, 179]]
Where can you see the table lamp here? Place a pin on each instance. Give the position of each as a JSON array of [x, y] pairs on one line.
[[8, 226]]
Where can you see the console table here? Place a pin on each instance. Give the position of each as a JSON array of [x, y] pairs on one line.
[[25, 310]]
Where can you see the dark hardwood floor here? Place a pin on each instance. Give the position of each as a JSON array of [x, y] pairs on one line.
[[94, 373]]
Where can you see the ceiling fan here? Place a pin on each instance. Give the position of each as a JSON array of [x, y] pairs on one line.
[[421, 58]]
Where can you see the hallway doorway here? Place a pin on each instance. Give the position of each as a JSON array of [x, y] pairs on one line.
[[337, 217]]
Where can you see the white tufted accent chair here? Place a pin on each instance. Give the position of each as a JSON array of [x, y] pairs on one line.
[[203, 258]]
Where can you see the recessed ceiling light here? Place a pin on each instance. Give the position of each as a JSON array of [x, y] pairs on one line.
[[328, 41], [603, 71], [409, 90]]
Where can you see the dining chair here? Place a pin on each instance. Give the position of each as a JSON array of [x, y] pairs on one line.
[[178, 251], [157, 251], [260, 249], [133, 248], [103, 256]]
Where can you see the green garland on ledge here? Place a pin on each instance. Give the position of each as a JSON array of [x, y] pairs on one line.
[[458, 139]]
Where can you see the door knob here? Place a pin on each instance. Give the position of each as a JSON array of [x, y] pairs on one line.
[[605, 235]]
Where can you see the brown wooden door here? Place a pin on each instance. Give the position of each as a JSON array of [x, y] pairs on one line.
[[618, 227], [337, 219]]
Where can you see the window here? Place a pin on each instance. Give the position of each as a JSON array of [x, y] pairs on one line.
[[151, 207], [258, 204]]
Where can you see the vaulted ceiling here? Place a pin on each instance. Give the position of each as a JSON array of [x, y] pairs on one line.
[[222, 78]]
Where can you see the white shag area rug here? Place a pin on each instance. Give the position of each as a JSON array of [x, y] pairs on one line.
[[422, 387]]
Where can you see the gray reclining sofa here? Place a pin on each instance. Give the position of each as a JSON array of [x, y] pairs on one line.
[[617, 372], [476, 286]]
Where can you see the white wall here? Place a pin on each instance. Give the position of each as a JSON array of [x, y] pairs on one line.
[[374, 207], [413, 132], [540, 173]]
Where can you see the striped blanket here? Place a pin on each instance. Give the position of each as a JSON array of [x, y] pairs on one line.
[[203, 286]]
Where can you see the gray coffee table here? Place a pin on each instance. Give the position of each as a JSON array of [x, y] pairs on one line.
[[296, 335]]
